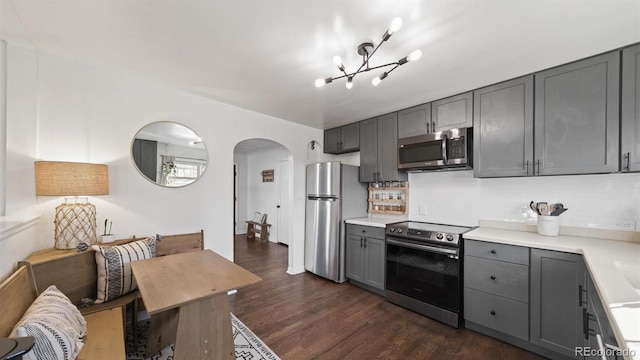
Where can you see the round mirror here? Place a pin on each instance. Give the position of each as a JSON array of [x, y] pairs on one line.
[[169, 154]]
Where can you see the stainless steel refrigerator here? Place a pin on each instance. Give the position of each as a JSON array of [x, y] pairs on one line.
[[334, 194]]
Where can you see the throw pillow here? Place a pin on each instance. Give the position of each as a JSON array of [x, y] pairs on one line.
[[55, 323], [114, 271]]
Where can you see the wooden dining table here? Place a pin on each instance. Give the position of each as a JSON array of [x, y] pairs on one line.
[[186, 296]]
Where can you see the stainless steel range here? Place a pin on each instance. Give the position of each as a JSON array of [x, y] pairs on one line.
[[424, 269]]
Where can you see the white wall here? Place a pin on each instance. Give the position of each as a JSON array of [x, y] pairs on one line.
[[240, 159], [85, 114], [263, 196], [456, 197], [20, 137]]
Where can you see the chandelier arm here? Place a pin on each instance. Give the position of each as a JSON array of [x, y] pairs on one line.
[[353, 74]]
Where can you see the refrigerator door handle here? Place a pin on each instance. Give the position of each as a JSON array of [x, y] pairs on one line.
[[322, 198]]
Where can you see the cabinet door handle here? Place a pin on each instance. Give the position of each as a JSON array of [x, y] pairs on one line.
[[427, 127], [493, 251], [433, 126], [585, 323], [527, 165], [534, 167], [361, 239], [493, 277], [365, 243], [628, 157], [581, 291], [493, 313]]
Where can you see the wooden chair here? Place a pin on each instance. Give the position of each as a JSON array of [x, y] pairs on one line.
[[261, 229]]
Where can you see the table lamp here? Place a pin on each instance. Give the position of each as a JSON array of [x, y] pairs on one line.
[[75, 221]]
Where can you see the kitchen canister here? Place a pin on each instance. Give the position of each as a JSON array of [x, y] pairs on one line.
[[548, 225]]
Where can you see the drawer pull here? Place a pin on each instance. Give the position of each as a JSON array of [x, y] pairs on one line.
[[493, 251], [493, 313], [493, 277]]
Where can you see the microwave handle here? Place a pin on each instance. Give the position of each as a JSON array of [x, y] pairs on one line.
[[444, 149]]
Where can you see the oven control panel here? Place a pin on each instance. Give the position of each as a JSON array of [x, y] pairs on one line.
[[398, 230]]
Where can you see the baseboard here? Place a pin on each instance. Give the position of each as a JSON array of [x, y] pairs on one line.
[[295, 271]]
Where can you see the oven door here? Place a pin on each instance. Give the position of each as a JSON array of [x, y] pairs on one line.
[[425, 273]]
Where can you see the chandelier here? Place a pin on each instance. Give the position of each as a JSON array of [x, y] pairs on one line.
[[366, 50]]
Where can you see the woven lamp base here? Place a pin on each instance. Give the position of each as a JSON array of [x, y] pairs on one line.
[[75, 224]]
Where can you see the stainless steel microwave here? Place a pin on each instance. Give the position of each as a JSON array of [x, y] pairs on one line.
[[437, 151]]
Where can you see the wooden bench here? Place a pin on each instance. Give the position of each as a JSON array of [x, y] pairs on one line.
[[76, 275], [261, 229], [105, 331]]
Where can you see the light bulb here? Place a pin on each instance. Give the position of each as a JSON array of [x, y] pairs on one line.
[[349, 83], [415, 55], [376, 80], [337, 60], [396, 24], [321, 82]]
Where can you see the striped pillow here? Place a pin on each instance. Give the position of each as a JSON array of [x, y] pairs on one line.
[[114, 271], [55, 323]]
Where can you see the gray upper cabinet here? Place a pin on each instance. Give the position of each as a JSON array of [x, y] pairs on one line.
[[414, 121], [557, 280], [369, 150], [388, 148], [342, 139], [452, 112], [379, 149], [577, 117], [145, 155], [630, 109], [332, 138], [503, 131]]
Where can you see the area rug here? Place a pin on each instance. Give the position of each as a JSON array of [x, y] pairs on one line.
[[248, 346]]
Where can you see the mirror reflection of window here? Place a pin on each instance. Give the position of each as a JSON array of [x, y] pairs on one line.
[[169, 154]]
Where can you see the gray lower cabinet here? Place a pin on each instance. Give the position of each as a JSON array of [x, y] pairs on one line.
[[503, 129], [557, 280], [496, 287], [366, 257], [598, 335], [342, 139], [630, 111], [528, 297], [452, 112], [414, 121], [577, 117], [379, 149]]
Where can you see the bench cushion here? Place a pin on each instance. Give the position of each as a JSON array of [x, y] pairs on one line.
[[56, 324], [114, 271]]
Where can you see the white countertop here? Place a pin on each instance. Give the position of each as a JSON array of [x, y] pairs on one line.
[[377, 221], [620, 299]]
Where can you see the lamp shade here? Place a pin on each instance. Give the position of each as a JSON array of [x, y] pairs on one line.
[[60, 178]]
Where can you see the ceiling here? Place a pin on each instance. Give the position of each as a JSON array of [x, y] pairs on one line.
[[265, 55]]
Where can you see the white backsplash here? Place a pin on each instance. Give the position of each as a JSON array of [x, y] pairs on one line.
[[456, 197]]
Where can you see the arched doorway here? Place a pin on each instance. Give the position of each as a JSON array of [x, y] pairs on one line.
[[269, 195]]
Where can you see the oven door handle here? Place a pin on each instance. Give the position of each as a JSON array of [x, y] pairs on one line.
[[423, 247]]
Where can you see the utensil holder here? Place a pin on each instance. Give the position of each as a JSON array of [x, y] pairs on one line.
[[548, 225]]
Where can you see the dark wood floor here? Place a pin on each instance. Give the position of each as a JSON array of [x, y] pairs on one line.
[[307, 317]]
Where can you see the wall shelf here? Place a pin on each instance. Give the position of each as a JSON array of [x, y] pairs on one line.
[[389, 199]]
